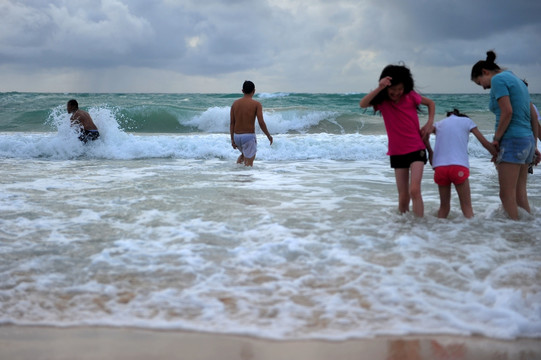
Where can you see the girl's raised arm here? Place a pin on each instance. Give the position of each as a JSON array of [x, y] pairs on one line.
[[367, 99]]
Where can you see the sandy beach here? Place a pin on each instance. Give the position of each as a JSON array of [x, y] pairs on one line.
[[87, 343]]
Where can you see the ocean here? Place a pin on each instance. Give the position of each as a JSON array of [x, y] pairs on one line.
[[155, 226]]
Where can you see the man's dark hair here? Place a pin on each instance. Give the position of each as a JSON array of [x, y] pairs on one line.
[[73, 103], [248, 87]]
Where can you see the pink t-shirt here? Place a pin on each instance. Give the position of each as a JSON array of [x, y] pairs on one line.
[[402, 124]]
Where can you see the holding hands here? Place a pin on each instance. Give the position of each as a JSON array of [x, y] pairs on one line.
[[426, 130]]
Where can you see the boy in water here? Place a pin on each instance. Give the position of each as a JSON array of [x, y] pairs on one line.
[[450, 160], [242, 126], [82, 120]]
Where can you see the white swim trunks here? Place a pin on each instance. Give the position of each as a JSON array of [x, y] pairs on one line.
[[247, 144]]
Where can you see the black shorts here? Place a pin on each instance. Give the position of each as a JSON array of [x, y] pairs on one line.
[[404, 161], [86, 135]]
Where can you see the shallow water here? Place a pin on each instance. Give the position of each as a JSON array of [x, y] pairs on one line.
[[154, 225], [288, 249]]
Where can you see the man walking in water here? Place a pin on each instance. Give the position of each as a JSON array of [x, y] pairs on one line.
[[82, 120], [242, 127]]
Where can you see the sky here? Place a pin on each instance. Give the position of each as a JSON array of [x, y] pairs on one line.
[[212, 46]]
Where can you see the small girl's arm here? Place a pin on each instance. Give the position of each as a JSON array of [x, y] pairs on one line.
[[429, 126], [429, 149], [486, 144]]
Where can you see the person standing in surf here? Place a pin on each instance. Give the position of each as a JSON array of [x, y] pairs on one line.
[[244, 111], [450, 160], [515, 135], [398, 103], [535, 117], [83, 122]]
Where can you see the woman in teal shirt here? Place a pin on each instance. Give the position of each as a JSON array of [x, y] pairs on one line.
[[515, 135]]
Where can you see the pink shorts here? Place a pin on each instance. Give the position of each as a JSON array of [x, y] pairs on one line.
[[451, 174]]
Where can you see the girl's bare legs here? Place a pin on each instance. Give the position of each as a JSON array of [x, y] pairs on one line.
[[410, 191], [464, 195], [402, 177], [445, 201], [415, 188]]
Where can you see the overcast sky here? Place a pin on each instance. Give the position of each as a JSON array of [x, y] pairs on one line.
[[335, 46]]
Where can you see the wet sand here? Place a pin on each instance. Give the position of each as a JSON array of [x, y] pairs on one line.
[[87, 343]]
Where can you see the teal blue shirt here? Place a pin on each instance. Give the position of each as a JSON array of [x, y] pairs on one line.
[[507, 84]]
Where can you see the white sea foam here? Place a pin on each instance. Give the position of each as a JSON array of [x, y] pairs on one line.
[[290, 129], [279, 121], [288, 249], [119, 145], [115, 144], [272, 95]]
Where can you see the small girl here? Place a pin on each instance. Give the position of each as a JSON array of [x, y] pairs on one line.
[[450, 160], [398, 104]]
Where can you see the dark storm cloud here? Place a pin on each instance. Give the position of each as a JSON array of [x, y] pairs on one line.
[[68, 34], [302, 44], [455, 32], [466, 20], [194, 37]]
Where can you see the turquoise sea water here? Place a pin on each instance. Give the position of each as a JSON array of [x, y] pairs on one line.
[[207, 113], [154, 225], [318, 121]]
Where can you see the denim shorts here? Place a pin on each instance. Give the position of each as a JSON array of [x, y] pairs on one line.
[[516, 150]]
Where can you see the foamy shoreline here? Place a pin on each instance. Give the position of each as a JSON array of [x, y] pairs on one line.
[[21, 342]]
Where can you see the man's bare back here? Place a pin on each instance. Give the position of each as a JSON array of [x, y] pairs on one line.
[[80, 117], [244, 112], [83, 119]]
